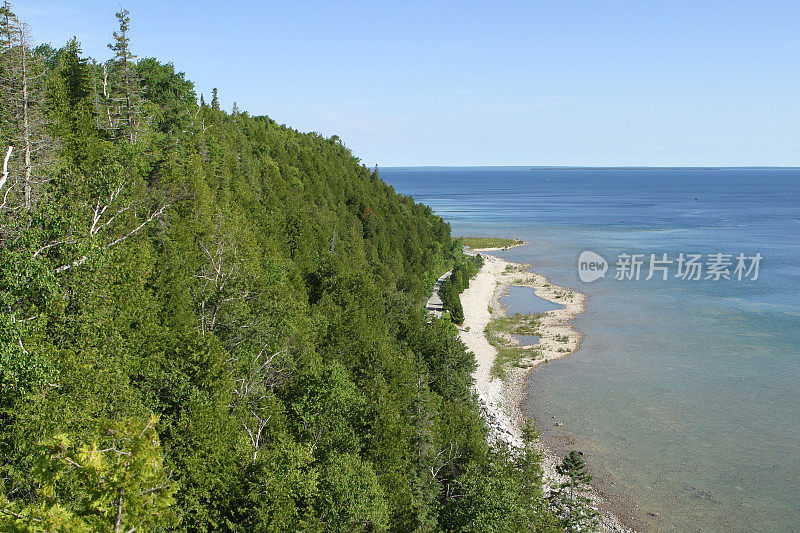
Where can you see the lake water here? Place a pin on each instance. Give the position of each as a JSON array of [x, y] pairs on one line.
[[685, 394], [523, 300], [527, 340]]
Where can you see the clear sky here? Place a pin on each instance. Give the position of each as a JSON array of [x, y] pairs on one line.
[[485, 83]]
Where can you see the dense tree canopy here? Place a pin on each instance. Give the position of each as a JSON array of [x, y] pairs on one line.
[[211, 322]]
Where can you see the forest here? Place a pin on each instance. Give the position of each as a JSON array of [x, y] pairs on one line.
[[213, 322]]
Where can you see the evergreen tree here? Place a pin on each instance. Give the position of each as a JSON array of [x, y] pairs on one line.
[[121, 83], [573, 508]]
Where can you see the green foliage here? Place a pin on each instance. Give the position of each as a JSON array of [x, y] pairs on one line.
[[351, 497], [116, 482], [574, 467], [276, 492], [503, 495]]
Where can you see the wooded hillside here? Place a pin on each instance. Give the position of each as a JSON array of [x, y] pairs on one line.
[[213, 322]]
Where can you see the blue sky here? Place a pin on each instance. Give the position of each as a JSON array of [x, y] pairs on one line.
[[485, 83]]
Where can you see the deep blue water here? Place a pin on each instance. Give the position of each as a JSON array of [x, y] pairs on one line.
[[685, 395]]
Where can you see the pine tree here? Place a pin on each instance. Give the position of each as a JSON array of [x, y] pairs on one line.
[[121, 86], [214, 99], [568, 498], [574, 468]]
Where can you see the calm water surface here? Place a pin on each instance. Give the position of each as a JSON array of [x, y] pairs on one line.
[[685, 395], [527, 340], [523, 300]]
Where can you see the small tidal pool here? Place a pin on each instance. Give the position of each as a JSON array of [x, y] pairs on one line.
[[523, 300]]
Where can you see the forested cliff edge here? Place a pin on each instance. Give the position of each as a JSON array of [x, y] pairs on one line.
[[213, 322]]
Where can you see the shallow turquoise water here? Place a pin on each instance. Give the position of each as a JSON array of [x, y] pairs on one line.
[[685, 395]]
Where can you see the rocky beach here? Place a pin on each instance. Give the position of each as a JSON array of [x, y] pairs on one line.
[[500, 399]]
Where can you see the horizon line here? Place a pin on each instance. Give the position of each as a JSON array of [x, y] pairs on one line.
[[599, 167]]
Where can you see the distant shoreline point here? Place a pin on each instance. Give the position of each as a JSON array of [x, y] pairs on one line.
[[490, 244]]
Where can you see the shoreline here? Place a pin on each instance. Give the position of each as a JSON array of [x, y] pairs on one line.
[[501, 401]]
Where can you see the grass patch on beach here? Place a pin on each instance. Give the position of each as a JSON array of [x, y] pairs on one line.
[[513, 356], [509, 354], [489, 242]]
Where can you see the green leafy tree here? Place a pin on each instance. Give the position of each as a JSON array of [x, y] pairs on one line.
[[278, 491], [115, 483], [351, 497], [573, 467], [503, 494], [465, 268]]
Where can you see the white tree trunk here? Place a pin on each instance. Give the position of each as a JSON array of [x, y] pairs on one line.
[[4, 176]]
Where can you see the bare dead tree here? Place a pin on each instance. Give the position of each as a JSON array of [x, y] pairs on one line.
[[252, 390], [222, 287], [21, 84], [113, 217], [444, 458], [114, 214], [105, 217], [105, 81], [26, 123], [215, 277], [3, 181]]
